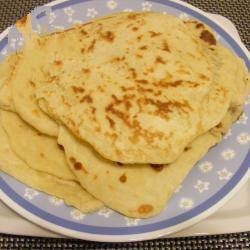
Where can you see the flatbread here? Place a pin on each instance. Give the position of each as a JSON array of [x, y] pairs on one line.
[[22, 86], [71, 192], [137, 191], [7, 70], [39, 151], [137, 94]]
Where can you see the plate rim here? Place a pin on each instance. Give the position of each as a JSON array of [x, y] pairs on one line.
[[154, 233]]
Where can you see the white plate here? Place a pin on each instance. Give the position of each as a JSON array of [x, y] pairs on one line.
[[209, 185]]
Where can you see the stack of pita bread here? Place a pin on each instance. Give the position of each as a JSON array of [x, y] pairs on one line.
[[117, 111]]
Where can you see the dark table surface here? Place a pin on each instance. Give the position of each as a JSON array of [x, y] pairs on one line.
[[238, 12]]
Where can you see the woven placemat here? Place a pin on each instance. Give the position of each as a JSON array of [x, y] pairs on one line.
[[238, 12]]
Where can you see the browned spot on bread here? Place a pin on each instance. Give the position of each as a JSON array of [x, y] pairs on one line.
[[58, 63], [32, 83], [139, 37], [208, 37], [159, 92], [132, 16], [199, 25], [113, 136], [187, 148], [93, 110], [101, 88], [109, 36], [123, 178], [82, 50], [166, 107], [119, 163], [157, 167], [127, 88], [144, 47], [233, 109], [36, 112], [203, 77], [165, 46], [42, 155], [133, 72], [219, 125], [60, 146], [166, 84], [159, 59], [86, 71], [138, 56], [154, 34], [78, 89], [141, 90], [118, 59], [38, 133], [98, 129], [107, 171], [72, 159], [83, 32], [145, 209], [111, 122], [135, 28], [23, 20], [78, 165], [92, 46], [53, 79], [95, 177], [86, 98]]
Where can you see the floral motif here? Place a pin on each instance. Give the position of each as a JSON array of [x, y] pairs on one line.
[[78, 22], [243, 138], [4, 52], [127, 10], [224, 174], [217, 36], [186, 203], [228, 154], [52, 17], [70, 19], [76, 214], [30, 193], [106, 212], [206, 166], [243, 119], [228, 134], [177, 190], [69, 11], [146, 6], [21, 41], [247, 101], [92, 12], [201, 186], [13, 43], [59, 27], [111, 4], [184, 16], [131, 221], [56, 201]]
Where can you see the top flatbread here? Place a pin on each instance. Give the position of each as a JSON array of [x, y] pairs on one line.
[[133, 91]]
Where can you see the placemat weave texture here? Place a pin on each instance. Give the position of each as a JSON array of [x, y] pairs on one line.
[[238, 12], [223, 241]]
